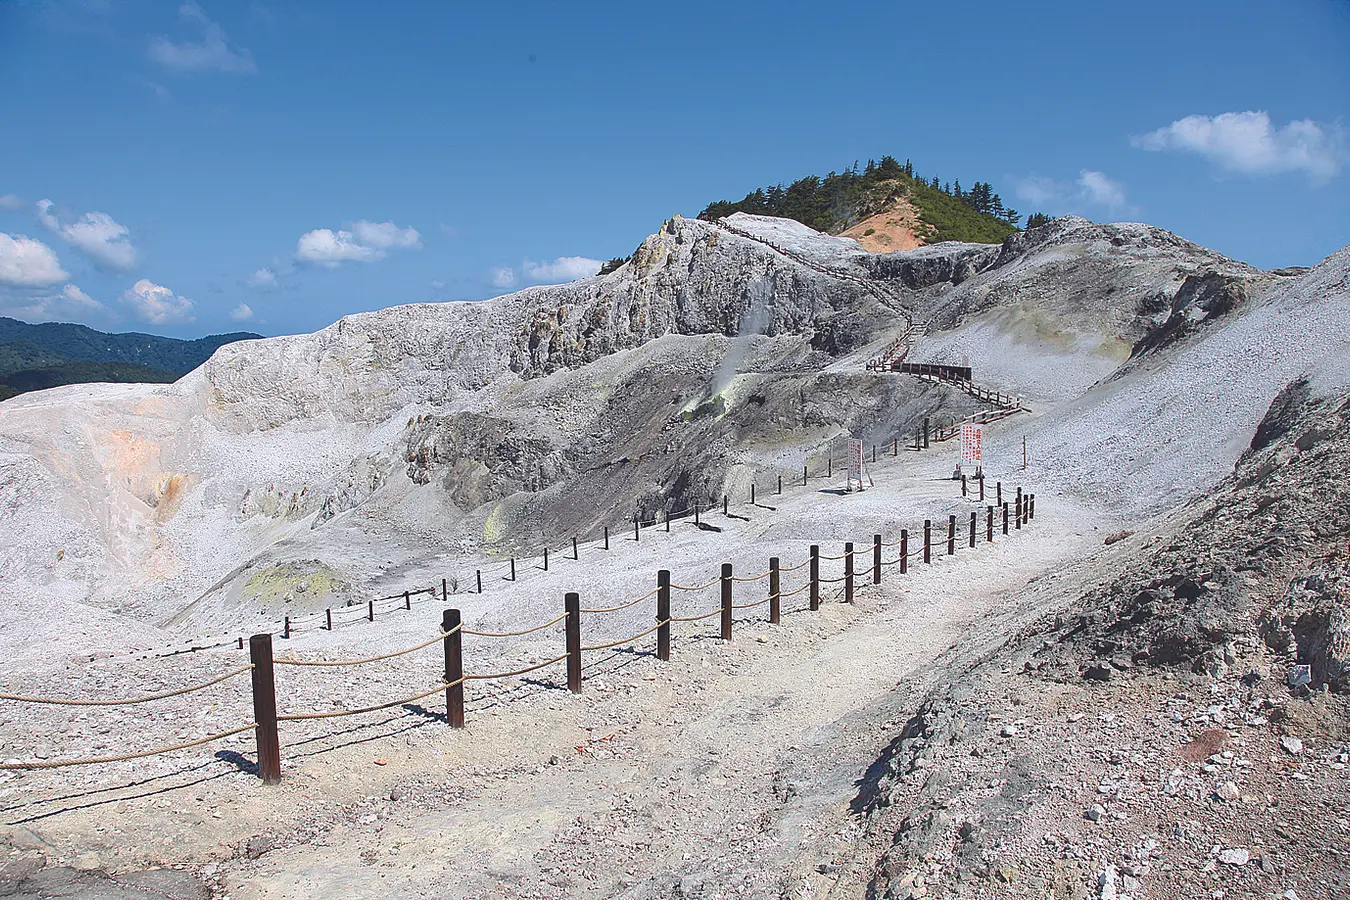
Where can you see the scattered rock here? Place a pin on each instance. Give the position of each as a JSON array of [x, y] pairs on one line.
[[1291, 745], [1097, 672], [1118, 536], [1095, 812], [259, 844], [397, 793], [1009, 731], [1228, 792], [1234, 856]]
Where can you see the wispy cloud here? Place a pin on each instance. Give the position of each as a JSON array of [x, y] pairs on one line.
[[264, 279], [10, 203], [70, 304], [557, 271], [25, 262], [241, 313], [157, 304], [1247, 142], [212, 54], [1090, 192], [95, 234], [364, 242]]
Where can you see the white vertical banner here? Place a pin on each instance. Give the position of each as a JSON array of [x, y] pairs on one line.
[[972, 440], [855, 461]]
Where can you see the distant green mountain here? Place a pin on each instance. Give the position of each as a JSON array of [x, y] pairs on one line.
[[33, 357]]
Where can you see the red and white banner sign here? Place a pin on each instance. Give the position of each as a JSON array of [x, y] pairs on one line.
[[972, 437], [855, 460]]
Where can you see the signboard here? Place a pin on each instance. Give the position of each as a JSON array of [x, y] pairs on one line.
[[855, 463], [972, 440]]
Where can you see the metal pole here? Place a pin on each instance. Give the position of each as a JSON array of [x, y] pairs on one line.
[[848, 572], [726, 601], [876, 559], [775, 591], [454, 668], [572, 603], [815, 576], [265, 708], [663, 614]]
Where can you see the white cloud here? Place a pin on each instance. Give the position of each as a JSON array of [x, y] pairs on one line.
[[326, 247], [157, 304], [25, 262], [502, 277], [10, 203], [95, 234], [386, 234], [1091, 191], [264, 279], [365, 242], [564, 268], [213, 54], [79, 298], [1246, 142], [241, 312], [1098, 189]]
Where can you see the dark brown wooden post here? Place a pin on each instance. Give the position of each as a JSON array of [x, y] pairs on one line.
[[1017, 510], [803, 476], [663, 614], [876, 559], [574, 548], [780, 484], [752, 495], [895, 447], [513, 568], [815, 576], [998, 493], [407, 600], [989, 526], [667, 521], [927, 540], [829, 466], [726, 601], [370, 610], [606, 537], [848, 572], [925, 432], [445, 593], [572, 603], [328, 614], [1032, 513], [478, 574], [265, 708], [981, 480], [454, 667], [1005, 517], [973, 520], [775, 591], [918, 438], [241, 642], [695, 513], [874, 453], [637, 529], [963, 484], [951, 535], [545, 559]]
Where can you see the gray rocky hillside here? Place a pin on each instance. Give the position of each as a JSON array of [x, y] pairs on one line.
[[432, 430]]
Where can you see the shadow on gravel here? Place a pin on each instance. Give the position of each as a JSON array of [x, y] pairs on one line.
[[867, 785]]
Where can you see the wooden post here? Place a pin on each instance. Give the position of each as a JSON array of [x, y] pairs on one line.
[[963, 484], [574, 548], [981, 479], [1017, 510], [1032, 513], [775, 591], [848, 572], [927, 540], [667, 521], [951, 535], [1005, 517], [874, 453], [606, 537], [241, 642], [803, 476], [989, 526], [752, 494], [637, 530], [407, 600], [454, 668], [265, 708], [780, 484], [329, 615], [895, 447], [973, 518], [726, 505], [904, 550], [546, 559], [815, 576], [370, 610], [695, 513], [829, 467], [287, 632], [925, 432], [478, 574], [726, 601], [876, 559], [572, 603], [663, 614], [513, 568], [998, 493], [1024, 448], [918, 438], [445, 593]]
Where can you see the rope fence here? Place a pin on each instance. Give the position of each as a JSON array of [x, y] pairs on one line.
[[453, 680]]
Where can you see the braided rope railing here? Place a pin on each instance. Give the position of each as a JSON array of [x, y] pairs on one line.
[[783, 594], [502, 634], [610, 609], [759, 577], [800, 565], [699, 587], [627, 640], [440, 636], [753, 604], [709, 615], [121, 757], [61, 701], [336, 713], [514, 672]]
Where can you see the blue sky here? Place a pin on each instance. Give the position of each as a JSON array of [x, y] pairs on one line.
[[189, 168]]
